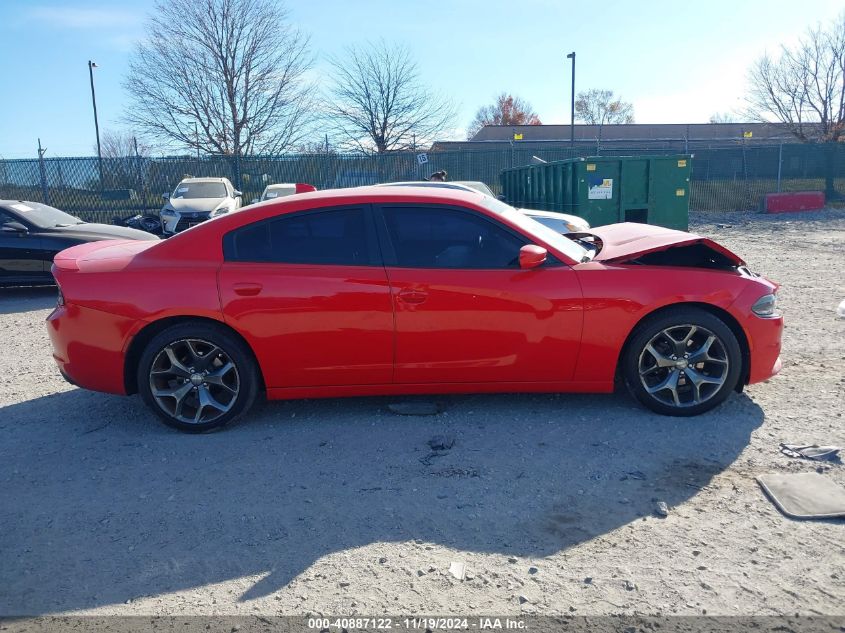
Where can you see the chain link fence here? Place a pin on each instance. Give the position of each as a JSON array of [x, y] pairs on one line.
[[730, 178]]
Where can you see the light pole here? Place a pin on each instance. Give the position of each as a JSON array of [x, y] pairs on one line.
[[572, 113], [91, 67]]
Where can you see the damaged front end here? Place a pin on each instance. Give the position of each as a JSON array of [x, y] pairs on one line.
[[631, 243]]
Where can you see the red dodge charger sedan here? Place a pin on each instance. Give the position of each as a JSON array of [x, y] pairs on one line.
[[382, 290]]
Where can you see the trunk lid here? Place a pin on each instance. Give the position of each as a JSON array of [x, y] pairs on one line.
[[103, 256], [629, 240]]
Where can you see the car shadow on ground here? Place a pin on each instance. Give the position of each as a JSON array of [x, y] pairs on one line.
[[26, 299], [102, 504]]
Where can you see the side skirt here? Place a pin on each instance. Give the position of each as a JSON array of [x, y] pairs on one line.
[[293, 393]]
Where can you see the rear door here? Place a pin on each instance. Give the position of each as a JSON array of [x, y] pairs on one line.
[[309, 292], [465, 311]]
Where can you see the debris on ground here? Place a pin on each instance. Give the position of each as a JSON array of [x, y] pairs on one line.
[[661, 509], [811, 451], [441, 442], [804, 495], [458, 569]]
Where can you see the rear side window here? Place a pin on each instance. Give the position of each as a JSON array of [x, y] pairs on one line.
[[442, 237], [335, 237]]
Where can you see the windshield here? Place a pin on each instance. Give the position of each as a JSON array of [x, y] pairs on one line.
[[41, 215], [189, 190], [568, 247]]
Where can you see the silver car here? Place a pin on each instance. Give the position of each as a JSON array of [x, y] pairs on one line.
[[196, 200]]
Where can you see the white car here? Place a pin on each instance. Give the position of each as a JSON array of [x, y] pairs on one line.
[[280, 190], [196, 200], [560, 222]]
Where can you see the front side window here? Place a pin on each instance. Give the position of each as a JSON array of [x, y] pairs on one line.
[[336, 237], [442, 237]]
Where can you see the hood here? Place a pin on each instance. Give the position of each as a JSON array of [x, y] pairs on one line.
[[196, 205], [629, 240], [94, 231]]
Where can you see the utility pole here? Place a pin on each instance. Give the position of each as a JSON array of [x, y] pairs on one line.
[[45, 192], [572, 105], [91, 67]]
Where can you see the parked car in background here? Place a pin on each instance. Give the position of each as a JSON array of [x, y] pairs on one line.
[[560, 222], [32, 233], [195, 200], [408, 290], [280, 190]]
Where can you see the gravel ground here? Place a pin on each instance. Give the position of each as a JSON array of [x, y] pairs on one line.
[[340, 507]]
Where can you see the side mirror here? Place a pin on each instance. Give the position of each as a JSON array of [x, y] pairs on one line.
[[237, 194], [165, 196], [531, 256], [501, 197]]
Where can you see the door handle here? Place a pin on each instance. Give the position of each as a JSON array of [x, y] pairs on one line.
[[414, 297], [247, 290]]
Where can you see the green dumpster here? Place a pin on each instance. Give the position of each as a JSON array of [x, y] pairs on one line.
[[606, 189]]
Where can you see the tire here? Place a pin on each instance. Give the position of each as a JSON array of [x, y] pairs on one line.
[[682, 362], [197, 376]]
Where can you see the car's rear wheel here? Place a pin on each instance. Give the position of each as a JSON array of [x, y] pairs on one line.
[[682, 362], [197, 376]]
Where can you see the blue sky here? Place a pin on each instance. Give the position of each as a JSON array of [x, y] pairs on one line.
[[675, 61]]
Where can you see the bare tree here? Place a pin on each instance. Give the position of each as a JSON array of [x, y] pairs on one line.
[[121, 144], [378, 103], [598, 107], [722, 117], [507, 110], [224, 76], [804, 87], [123, 167]]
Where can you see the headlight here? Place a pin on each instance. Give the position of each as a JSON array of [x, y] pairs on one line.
[[219, 211], [168, 212], [766, 306]]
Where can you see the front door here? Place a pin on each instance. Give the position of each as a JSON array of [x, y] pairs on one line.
[[21, 259], [465, 311], [309, 292]]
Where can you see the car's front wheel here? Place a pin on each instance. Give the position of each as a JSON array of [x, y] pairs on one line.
[[682, 362], [197, 376]]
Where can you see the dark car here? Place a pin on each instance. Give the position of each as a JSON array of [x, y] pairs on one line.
[[32, 233]]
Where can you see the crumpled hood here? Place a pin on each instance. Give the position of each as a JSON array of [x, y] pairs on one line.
[[630, 240], [93, 231], [196, 205]]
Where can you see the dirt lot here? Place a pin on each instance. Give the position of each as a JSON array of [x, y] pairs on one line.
[[338, 506]]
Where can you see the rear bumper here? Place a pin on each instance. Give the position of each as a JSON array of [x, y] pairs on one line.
[[88, 346]]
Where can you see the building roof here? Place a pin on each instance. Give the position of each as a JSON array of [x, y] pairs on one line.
[[636, 132]]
